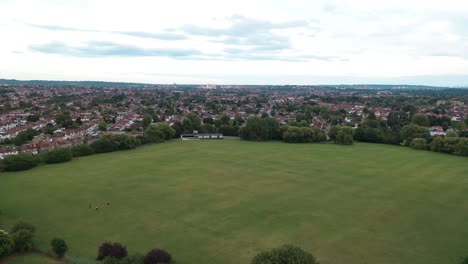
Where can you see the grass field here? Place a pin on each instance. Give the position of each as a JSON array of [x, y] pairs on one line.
[[30, 258], [224, 201]]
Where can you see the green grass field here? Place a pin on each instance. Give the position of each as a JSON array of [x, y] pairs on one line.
[[30, 258], [224, 201]]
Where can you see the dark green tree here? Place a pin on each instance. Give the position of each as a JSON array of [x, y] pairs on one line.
[[59, 247]]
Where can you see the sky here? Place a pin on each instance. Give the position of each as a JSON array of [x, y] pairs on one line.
[[236, 42]]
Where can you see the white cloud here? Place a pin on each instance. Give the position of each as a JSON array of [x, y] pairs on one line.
[[296, 41]]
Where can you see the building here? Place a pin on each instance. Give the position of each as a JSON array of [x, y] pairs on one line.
[[196, 135]]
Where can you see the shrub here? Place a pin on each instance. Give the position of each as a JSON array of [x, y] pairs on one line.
[[6, 244], [58, 155], [133, 259], [23, 239], [286, 254], [59, 247], [82, 150], [114, 250], [344, 135], [438, 144], [158, 256], [260, 129], [111, 260], [409, 132], [20, 162], [23, 226], [292, 134], [115, 142], [419, 143]]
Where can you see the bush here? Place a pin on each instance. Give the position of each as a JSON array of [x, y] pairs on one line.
[[23, 226], [134, 259], [409, 132], [158, 256], [260, 129], [58, 155], [114, 250], [114, 142], [438, 144], [20, 162], [23, 239], [303, 135], [111, 260], [342, 135], [419, 143], [59, 247], [6, 244], [286, 254], [82, 150]]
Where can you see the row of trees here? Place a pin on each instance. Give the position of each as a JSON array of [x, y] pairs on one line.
[[116, 253], [261, 129], [107, 143], [450, 145], [20, 239]]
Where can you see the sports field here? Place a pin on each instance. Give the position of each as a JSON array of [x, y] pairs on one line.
[[224, 201]]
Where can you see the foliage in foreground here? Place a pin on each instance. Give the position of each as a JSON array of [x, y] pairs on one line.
[[286, 254], [158, 256], [6, 244], [58, 155], [59, 247], [20, 162], [114, 250]]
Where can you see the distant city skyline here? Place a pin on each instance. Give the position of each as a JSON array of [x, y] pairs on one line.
[[236, 42]]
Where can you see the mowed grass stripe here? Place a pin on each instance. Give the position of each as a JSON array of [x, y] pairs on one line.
[[224, 201]]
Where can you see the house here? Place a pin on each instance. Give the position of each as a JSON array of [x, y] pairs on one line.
[[437, 131], [196, 135]]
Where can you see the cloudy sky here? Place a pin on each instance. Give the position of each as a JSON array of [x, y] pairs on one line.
[[236, 42]]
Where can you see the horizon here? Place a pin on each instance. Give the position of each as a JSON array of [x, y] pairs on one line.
[[236, 84], [238, 43]]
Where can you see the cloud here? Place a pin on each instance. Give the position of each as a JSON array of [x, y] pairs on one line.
[[61, 28], [163, 36], [251, 39], [139, 34], [110, 49]]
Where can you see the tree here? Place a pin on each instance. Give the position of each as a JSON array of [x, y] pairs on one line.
[[58, 155], [451, 133], [225, 119], [82, 150], [23, 239], [23, 226], [154, 135], [411, 131], [114, 142], [32, 118], [102, 126], [286, 254], [59, 247], [187, 124], [437, 144], [342, 135], [368, 134], [158, 256], [114, 250], [64, 120], [260, 129], [20, 162], [25, 136], [420, 120], [6, 244], [133, 259], [147, 121], [195, 120], [419, 143]]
